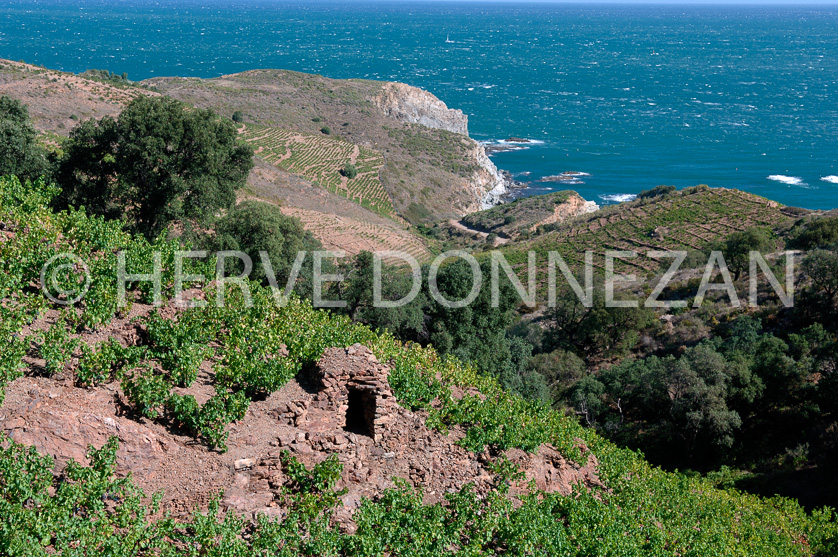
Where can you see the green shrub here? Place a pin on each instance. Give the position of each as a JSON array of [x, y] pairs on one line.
[[146, 391], [350, 170], [656, 192], [817, 233], [326, 130], [158, 163], [256, 226], [20, 154], [56, 347]]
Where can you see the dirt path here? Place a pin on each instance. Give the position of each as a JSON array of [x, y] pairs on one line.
[[460, 226]]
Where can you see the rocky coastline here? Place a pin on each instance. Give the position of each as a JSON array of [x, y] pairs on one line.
[[488, 185]]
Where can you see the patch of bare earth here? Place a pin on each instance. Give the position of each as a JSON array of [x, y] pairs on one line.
[[57, 101]]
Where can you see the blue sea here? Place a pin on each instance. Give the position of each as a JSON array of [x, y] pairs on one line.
[[634, 96]]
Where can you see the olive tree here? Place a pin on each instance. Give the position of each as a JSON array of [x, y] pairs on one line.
[[20, 155]]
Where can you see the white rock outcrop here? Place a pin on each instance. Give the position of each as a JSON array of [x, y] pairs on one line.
[[417, 106], [491, 184]]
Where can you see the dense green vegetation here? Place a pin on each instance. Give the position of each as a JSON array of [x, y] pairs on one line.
[[256, 227], [719, 387], [156, 164], [476, 332], [350, 170], [687, 385], [657, 191], [19, 152]]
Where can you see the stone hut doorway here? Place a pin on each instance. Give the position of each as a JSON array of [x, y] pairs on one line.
[[360, 411]]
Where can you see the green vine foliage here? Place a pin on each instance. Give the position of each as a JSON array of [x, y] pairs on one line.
[[56, 346], [107, 362]]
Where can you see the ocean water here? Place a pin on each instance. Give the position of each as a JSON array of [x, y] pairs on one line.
[[635, 96]]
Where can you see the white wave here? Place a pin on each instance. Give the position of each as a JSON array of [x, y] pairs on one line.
[[618, 197], [789, 180], [515, 143], [830, 179]]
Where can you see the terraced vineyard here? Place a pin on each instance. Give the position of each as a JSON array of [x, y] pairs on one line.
[[690, 219], [353, 235], [321, 159]]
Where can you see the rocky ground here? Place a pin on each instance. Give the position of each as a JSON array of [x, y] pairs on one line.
[[312, 417]]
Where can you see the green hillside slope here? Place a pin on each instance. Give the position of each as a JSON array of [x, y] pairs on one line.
[[641, 510], [690, 219]]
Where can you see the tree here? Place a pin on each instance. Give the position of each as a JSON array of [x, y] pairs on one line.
[[597, 330], [20, 155], [255, 226], [405, 322], [157, 164], [238, 117], [475, 332], [822, 268], [350, 170], [657, 191], [561, 370], [739, 245], [821, 232]]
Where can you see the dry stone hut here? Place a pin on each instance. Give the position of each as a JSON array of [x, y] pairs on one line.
[[353, 383]]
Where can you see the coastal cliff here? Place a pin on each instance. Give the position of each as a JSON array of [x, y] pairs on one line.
[[417, 106], [491, 186], [413, 105], [573, 207], [526, 214]]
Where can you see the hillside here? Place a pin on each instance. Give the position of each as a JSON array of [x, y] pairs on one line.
[[434, 459], [265, 426], [57, 100], [526, 214], [420, 173], [690, 219], [432, 170]]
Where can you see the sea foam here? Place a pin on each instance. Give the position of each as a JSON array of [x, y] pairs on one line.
[[790, 180], [618, 197], [830, 179]]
